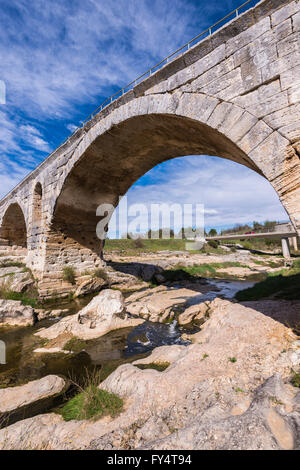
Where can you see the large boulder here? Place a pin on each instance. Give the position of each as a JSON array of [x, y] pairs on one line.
[[104, 313], [14, 313], [30, 399]]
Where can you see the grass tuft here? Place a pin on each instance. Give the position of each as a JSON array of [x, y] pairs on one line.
[[91, 402], [295, 380], [159, 366], [69, 274]]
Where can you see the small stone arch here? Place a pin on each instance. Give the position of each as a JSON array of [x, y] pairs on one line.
[[13, 228]]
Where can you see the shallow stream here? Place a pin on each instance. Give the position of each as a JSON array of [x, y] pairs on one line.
[[107, 352]]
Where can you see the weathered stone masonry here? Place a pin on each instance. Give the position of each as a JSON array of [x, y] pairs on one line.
[[235, 95]]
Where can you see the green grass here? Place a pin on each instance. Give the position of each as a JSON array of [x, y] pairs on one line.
[[283, 284], [92, 403], [75, 345], [232, 359], [69, 274], [295, 380], [160, 366], [179, 273], [132, 247], [11, 263]]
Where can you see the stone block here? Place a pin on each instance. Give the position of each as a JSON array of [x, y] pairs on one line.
[[246, 37], [279, 66], [209, 61], [196, 105], [275, 147], [244, 54], [213, 74], [251, 75], [269, 105], [289, 45], [198, 51], [284, 116], [296, 22], [221, 83], [294, 94], [265, 56], [290, 77], [284, 13], [255, 136], [291, 132], [283, 30], [241, 127], [219, 115]]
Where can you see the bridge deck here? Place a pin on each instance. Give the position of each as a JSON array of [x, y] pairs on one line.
[[273, 235]]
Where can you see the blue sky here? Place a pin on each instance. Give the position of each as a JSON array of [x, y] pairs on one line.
[[61, 59]]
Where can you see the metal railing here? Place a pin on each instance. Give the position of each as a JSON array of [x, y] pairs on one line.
[[209, 31]]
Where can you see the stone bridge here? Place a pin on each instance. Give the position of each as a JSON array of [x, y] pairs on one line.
[[235, 95]]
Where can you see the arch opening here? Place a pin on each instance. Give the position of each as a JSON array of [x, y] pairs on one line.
[[111, 164], [13, 228]]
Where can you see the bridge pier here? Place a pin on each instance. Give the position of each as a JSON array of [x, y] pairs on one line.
[[285, 248], [293, 243]]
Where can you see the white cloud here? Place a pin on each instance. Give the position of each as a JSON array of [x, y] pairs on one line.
[[230, 192]]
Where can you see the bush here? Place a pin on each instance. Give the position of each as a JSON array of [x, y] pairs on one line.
[[69, 274]]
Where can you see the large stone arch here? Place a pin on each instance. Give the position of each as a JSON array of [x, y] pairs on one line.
[[134, 138], [13, 226]]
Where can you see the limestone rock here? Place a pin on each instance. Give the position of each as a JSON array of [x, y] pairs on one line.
[[104, 313], [90, 285], [31, 398], [18, 282], [13, 313], [192, 313], [159, 304], [201, 401]]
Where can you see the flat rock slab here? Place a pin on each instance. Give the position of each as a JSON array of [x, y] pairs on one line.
[[29, 399], [14, 313], [106, 312]]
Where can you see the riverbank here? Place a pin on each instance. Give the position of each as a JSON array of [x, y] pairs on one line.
[[178, 314]]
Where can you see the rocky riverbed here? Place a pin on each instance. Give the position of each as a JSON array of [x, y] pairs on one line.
[[237, 362]]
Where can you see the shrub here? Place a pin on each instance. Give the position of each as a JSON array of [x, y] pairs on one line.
[[69, 274]]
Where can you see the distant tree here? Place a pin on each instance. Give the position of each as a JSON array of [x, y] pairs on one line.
[[212, 232]]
